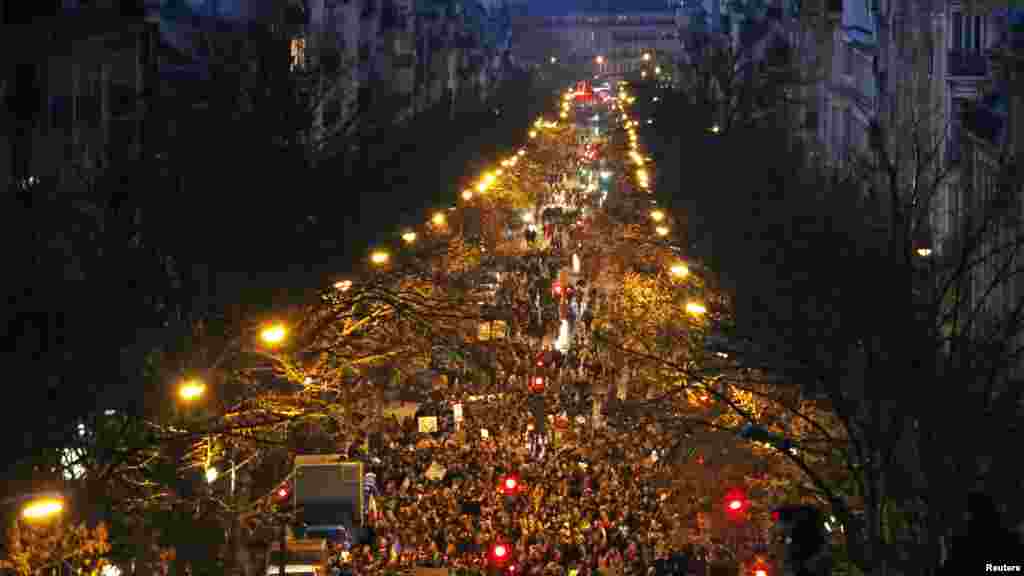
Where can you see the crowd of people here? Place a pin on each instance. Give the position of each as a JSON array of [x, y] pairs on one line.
[[443, 502], [581, 500]]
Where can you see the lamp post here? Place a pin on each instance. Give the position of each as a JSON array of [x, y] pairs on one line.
[[41, 507]]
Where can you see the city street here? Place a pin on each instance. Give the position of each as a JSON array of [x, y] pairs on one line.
[[555, 479], [503, 287]]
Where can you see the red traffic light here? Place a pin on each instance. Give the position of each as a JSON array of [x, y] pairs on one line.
[[510, 485], [736, 502], [760, 568], [500, 553]]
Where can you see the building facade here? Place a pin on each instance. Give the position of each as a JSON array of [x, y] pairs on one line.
[[81, 97], [614, 43]]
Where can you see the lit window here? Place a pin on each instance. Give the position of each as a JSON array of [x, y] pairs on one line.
[[298, 53]]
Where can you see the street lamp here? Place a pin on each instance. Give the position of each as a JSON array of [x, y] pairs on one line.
[[657, 69], [439, 219], [679, 270], [599, 59], [379, 257], [42, 509], [191, 389], [715, 129], [211, 475], [695, 309], [274, 334], [533, 133], [409, 237], [657, 215], [924, 252], [661, 230], [647, 56]]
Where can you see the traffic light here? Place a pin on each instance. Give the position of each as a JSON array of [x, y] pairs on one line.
[[759, 568], [500, 553], [736, 503], [510, 485]]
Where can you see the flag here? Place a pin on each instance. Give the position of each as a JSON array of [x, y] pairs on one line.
[[370, 484]]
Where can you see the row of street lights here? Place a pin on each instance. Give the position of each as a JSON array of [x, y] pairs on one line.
[[380, 257], [677, 270], [193, 388]]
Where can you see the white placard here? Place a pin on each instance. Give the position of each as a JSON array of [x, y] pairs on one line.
[[484, 433], [428, 424], [435, 472]]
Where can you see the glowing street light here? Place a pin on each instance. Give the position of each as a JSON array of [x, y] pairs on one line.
[[924, 252], [696, 309], [715, 129], [42, 509], [191, 389], [599, 59], [211, 475], [439, 219], [657, 69], [657, 215], [274, 334], [379, 257], [522, 152], [533, 133], [661, 230], [679, 270], [409, 237], [647, 56]]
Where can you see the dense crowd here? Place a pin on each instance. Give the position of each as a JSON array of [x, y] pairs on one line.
[[574, 511], [584, 501]]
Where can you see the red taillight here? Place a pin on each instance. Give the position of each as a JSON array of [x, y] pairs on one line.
[[775, 516]]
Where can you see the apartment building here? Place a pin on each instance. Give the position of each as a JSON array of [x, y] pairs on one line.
[[620, 39], [72, 86], [85, 77], [947, 74]]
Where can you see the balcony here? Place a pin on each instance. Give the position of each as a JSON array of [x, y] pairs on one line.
[[967, 64]]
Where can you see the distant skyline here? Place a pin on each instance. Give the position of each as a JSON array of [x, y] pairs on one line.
[[555, 7]]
